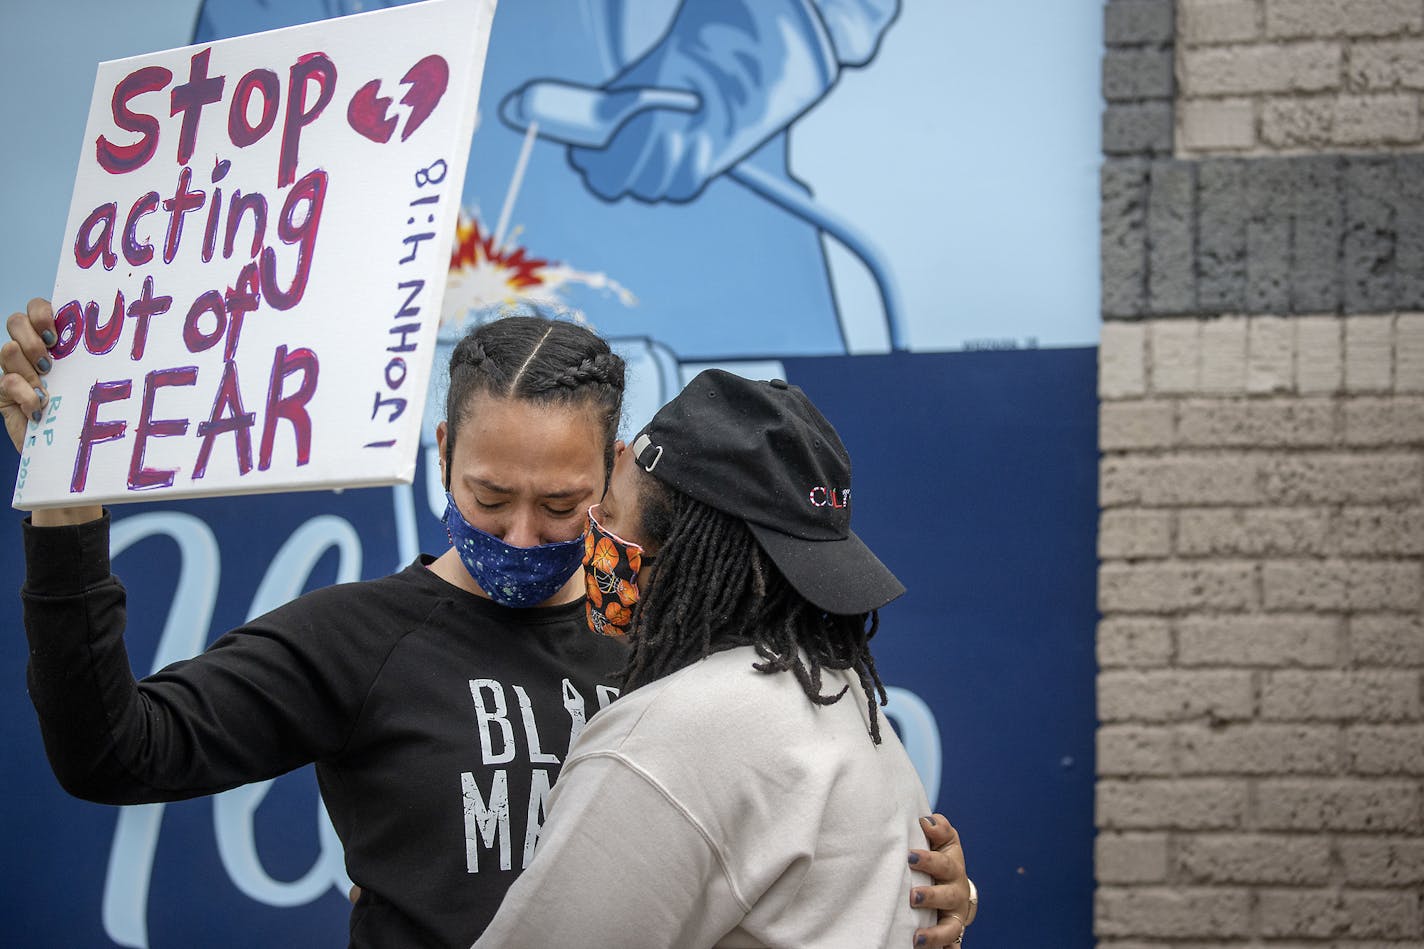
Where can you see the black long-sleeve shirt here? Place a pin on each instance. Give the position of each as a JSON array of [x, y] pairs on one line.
[[437, 720]]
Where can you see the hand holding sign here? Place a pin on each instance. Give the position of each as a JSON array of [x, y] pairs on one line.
[[247, 212], [24, 400], [25, 360]]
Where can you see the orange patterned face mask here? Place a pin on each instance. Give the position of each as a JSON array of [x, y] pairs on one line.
[[610, 570]]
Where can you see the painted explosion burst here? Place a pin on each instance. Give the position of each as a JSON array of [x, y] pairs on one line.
[[486, 273]]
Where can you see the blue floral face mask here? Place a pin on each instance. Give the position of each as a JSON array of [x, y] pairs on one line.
[[512, 576]]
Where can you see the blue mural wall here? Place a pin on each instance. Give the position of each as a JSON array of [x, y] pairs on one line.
[[901, 219]]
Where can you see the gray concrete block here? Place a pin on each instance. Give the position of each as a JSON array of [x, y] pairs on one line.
[[1375, 120], [1319, 354], [1309, 18], [1138, 21], [1314, 804], [1134, 534], [1131, 858], [1215, 126], [1409, 352], [1241, 69], [1382, 531], [1369, 342], [1182, 480], [1268, 237], [1138, 641], [1390, 641], [1394, 420], [1345, 477], [1278, 640], [1369, 241], [1162, 587], [1134, 750], [1176, 803], [1316, 209], [1173, 913], [1171, 226], [1374, 862], [1122, 360], [1258, 749], [1124, 426], [1409, 232], [1253, 859], [1386, 749], [1223, 356], [1137, 73], [1348, 696], [1344, 586], [1123, 243], [1223, 206], [1253, 533], [1139, 128], [1332, 915]]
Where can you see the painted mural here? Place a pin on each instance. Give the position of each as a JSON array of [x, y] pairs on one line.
[[783, 188]]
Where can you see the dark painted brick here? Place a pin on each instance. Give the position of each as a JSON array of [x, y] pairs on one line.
[[1171, 220], [1315, 251], [1143, 128], [1223, 206], [1130, 74], [1123, 239], [1369, 244], [1127, 22], [1409, 225], [1268, 237]]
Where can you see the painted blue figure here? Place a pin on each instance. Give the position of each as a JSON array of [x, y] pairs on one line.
[[644, 147]]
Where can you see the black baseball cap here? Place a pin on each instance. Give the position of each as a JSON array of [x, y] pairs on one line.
[[762, 452]]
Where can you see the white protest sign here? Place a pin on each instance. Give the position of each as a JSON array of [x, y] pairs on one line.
[[254, 260]]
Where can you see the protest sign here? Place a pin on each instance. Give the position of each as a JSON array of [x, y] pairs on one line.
[[254, 260]]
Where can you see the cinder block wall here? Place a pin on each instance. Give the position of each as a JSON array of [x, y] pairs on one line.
[[1299, 75], [1261, 689]]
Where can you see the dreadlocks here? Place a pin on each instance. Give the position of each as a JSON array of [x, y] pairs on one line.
[[728, 593]]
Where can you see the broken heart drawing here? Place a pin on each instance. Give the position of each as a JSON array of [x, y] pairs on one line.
[[370, 112]]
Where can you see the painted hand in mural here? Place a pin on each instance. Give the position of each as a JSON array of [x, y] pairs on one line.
[[755, 65]]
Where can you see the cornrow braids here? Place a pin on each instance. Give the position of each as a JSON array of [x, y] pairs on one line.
[[718, 590], [539, 359], [601, 369]]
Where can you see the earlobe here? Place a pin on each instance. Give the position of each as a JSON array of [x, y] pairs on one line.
[[441, 431]]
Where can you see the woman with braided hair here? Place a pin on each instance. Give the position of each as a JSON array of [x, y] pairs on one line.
[[742, 791], [437, 703]]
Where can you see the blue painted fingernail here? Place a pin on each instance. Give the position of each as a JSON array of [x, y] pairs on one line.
[[37, 414], [44, 365], [914, 859], [919, 897], [49, 338], [922, 940], [930, 821], [42, 395]]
